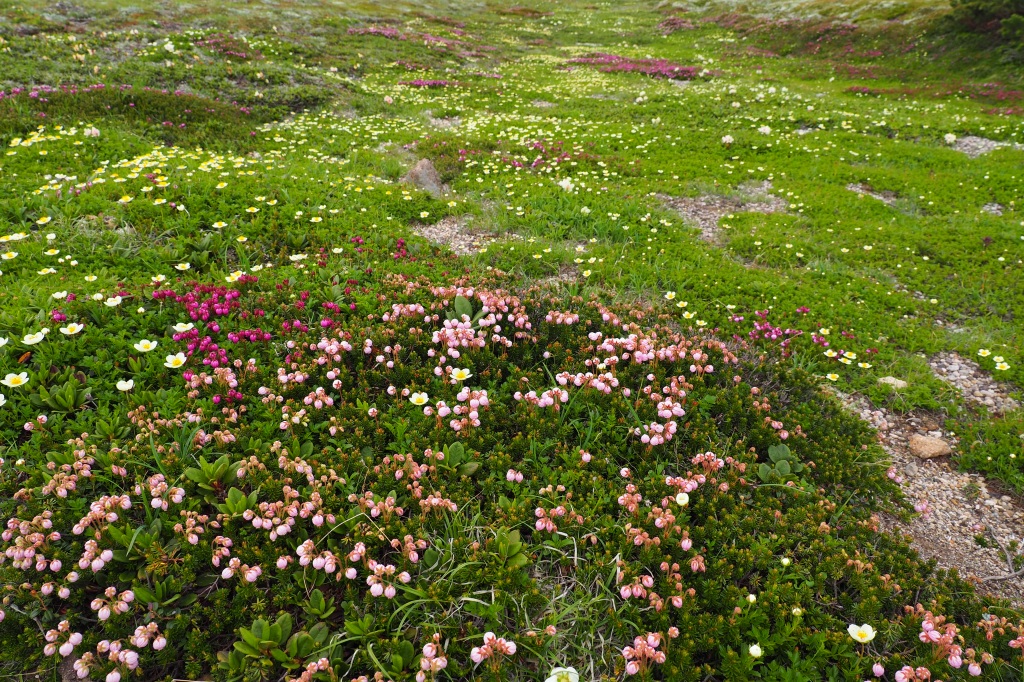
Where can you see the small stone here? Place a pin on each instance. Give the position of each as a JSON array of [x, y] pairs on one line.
[[927, 447], [894, 382], [425, 177]]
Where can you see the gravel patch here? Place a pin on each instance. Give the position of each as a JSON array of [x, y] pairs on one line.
[[974, 146], [885, 196], [542, 104], [973, 383], [993, 208], [454, 232], [706, 210], [954, 506], [443, 123]]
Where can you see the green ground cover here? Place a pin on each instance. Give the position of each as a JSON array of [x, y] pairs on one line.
[[255, 427]]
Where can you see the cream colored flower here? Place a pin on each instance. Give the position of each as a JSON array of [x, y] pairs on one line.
[[145, 345], [15, 380], [175, 361], [419, 398], [72, 329], [862, 633]]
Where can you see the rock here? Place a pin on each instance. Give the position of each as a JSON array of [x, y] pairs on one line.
[[894, 382], [927, 447], [425, 177]]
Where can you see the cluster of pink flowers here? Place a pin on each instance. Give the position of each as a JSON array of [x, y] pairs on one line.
[[30, 538], [112, 603], [435, 501], [160, 492], [250, 573], [102, 512], [558, 317], [126, 660], [643, 653], [433, 660], [494, 648], [551, 397], [382, 580], [53, 638], [93, 557]]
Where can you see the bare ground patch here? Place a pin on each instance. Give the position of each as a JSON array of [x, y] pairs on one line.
[[972, 381], [706, 210], [457, 234], [955, 506], [974, 146], [885, 196]]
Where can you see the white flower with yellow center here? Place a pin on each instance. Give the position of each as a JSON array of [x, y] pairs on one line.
[[9, 255], [419, 398], [862, 633], [219, 224], [45, 219], [91, 278], [15, 380], [182, 267], [125, 199], [145, 345], [125, 385], [59, 295], [51, 252], [72, 329], [156, 279], [113, 302], [241, 239], [33, 339], [459, 374], [182, 327], [174, 361]]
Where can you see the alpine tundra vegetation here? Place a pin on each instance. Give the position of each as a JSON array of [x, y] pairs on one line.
[[466, 340]]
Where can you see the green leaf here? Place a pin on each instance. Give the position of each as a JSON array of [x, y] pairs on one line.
[[463, 307]]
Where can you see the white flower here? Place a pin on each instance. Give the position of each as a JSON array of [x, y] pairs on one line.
[[59, 295], [33, 339], [461, 374], [126, 385], [755, 651], [950, 138], [561, 674], [145, 345], [765, 130], [419, 398], [862, 633], [169, 46], [3, 400], [3, 341], [113, 301], [183, 266], [72, 329], [682, 499], [183, 327], [14, 380], [175, 361], [156, 279], [727, 139], [566, 184]]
